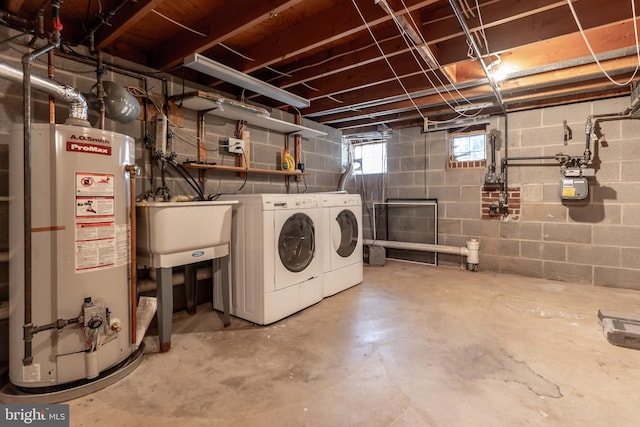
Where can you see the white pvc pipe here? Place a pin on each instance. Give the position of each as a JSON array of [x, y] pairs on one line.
[[149, 284], [471, 251]]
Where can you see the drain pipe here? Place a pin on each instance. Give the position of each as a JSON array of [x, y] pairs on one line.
[[178, 278], [471, 251]]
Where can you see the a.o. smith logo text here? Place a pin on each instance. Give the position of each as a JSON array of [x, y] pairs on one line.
[[90, 139]]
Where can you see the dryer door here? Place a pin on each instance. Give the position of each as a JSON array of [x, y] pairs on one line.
[[296, 243], [344, 233]]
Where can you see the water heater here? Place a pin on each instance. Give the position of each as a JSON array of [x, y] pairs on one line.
[[80, 255]]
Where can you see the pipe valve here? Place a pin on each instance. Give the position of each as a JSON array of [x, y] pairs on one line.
[[133, 169]]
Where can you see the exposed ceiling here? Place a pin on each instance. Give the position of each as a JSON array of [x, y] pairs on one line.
[[367, 64]]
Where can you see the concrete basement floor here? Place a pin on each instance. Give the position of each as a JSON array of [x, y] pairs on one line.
[[412, 345]]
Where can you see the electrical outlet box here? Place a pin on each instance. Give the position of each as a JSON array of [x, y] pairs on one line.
[[161, 134], [234, 145]]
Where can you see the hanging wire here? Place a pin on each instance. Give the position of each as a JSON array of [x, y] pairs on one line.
[[482, 31], [459, 114], [309, 86], [387, 60], [438, 65], [586, 41], [179, 133], [335, 99], [236, 52], [17, 36], [335, 57], [173, 21], [278, 72]]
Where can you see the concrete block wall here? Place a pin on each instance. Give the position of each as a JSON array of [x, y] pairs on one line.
[[595, 241], [321, 155]]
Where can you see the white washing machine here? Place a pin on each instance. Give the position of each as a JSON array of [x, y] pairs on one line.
[[277, 265], [342, 241]]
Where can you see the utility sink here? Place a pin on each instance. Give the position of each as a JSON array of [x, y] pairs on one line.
[[179, 233]]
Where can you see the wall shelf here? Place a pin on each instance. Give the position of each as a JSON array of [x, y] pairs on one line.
[[239, 169], [234, 110]]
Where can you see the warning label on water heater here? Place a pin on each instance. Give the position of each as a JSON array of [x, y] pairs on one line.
[[95, 229], [99, 248], [95, 184]]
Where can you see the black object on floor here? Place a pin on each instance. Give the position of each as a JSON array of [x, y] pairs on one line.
[[620, 329]]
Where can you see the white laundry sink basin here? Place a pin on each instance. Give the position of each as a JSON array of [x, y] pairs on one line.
[[179, 233]]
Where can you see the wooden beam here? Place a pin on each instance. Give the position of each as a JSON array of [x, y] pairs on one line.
[[357, 63], [544, 53], [235, 18], [353, 54], [546, 25], [318, 31], [127, 17], [14, 6]]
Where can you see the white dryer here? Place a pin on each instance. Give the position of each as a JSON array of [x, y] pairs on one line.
[[277, 266], [342, 241]]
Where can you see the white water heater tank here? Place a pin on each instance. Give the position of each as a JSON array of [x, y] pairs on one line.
[[80, 254]]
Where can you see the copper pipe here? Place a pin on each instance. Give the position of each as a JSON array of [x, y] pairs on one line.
[[51, 71], [132, 169]]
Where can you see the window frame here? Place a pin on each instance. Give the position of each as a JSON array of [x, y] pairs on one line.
[[453, 163], [383, 161]]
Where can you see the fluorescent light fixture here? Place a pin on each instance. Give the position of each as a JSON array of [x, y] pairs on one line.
[[215, 69]]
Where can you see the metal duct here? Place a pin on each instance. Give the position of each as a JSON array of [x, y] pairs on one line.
[[78, 108], [345, 176]]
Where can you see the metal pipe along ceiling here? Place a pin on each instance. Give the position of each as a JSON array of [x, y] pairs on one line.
[[476, 51]]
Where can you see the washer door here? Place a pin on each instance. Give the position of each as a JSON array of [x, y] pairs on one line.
[[296, 243], [344, 233]]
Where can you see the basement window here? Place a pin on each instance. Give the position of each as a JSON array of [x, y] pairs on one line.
[[372, 158], [467, 149], [369, 153]]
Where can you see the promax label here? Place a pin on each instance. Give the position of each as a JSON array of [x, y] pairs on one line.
[[79, 147]]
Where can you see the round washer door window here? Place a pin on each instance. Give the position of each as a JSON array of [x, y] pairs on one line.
[[297, 242], [345, 236]]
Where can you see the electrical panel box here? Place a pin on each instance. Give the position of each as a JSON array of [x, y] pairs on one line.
[[234, 145]]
